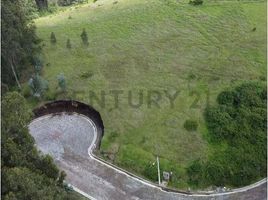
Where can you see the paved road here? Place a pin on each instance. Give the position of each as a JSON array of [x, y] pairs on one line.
[[69, 139]]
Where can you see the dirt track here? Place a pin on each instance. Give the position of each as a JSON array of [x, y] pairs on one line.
[[69, 139]]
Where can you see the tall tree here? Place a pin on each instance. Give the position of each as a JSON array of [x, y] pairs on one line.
[[19, 41], [42, 4], [84, 37], [25, 173]]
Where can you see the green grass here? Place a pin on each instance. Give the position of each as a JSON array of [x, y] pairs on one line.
[[155, 45]]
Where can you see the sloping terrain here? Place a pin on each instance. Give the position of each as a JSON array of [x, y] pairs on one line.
[[137, 45], [68, 138]]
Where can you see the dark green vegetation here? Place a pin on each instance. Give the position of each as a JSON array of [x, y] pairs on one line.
[[53, 39], [68, 44], [237, 131], [190, 125], [19, 43], [196, 2], [26, 173], [70, 2]]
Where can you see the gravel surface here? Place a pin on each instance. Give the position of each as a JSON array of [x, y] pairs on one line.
[[67, 139]]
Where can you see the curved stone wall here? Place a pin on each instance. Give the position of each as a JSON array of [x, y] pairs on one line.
[[71, 106]]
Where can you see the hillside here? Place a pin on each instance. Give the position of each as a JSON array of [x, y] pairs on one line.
[[163, 45]]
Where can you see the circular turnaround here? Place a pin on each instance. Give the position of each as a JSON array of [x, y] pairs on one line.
[[71, 106], [59, 135]]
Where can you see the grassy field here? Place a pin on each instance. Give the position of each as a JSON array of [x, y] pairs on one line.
[[155, 45]]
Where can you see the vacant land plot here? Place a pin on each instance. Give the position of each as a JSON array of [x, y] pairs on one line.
[[158, 45]]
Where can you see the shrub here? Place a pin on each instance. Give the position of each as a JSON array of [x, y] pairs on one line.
[[68, 44], [64, 2], [150, 171], [84, 37], [194, 172], [250, 95], [61, 82], [196, 2], [38, 85], [52, 8], [26, 91], [190, 125], [38, 63], [226, 98], [53, 39], [50, 95]]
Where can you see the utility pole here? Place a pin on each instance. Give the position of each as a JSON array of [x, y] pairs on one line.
[[158, 168]]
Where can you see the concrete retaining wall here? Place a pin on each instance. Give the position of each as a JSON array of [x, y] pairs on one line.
[[71, 106]]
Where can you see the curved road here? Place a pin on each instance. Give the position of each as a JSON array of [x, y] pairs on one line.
[[69, 139]]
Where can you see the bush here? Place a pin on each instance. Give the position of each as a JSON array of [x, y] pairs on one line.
[[38, 85], [84, 37], [70, 2], [53, 39], [194, 172], [62, 82], [196, 2], [50, 96], [38, 63], [64, 2], [26, 91], [226, 98], [190, 125], [151, 172], [251, 94], [68, 44]]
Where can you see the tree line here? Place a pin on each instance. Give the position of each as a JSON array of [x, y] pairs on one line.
[[19, 42], [26, 172]]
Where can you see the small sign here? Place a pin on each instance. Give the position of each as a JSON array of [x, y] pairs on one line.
[[166, 176]]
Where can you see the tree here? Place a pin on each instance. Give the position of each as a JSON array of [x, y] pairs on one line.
[[53, 39], [38, 85], [47, 166], [84, 37], [239, 125], [65, 2], [41, 4], [15, 112], [25, 173], [68, 44], [18, 40], [62, 177], [62, 82]]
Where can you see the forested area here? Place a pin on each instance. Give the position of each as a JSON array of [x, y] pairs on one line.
[[19, 43], [26, 172], [237, 129]]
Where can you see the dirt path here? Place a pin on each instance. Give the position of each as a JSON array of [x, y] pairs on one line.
[[69, 139]]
